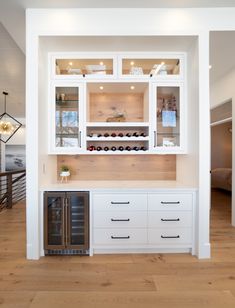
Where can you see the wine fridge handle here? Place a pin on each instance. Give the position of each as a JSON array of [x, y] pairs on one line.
[[155, 138], [80, 139], [63, 217]]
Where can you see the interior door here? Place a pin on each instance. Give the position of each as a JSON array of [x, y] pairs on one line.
[[78, 220]]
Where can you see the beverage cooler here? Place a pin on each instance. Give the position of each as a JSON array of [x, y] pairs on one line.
[[66, 223]]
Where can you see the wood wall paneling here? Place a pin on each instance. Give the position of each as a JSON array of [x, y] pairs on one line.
[[124, 167]]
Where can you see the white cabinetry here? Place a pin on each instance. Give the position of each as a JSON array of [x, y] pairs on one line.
[[128, 222], [127, 103]]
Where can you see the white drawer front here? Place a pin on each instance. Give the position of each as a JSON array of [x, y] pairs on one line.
[[173, 236], [123, 202], [120, 219], [120, 236], [165, 202], [169, 219]]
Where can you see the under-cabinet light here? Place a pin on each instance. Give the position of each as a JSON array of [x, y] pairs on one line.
[[132, 88], [101, 88], [132, 63], [71, 63], [101, 63]]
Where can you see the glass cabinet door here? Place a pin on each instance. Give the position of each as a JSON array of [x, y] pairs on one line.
[[78, 220], [151, 67], [167, 131], [96, 67], [67, 122], [54, 220]]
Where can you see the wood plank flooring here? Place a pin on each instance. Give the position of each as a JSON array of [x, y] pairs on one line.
[[116, 281]]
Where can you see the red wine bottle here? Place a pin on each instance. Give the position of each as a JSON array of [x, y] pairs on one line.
[[135, 134], [113, 148], [143, 149], [136, 148], [113, 135], [99, 135], [121, 148], [98, 149], [91, 148], [90, 135], [120, 135], [106, 135], [143, 135], [128, 135], [128, 148], [106, 149]]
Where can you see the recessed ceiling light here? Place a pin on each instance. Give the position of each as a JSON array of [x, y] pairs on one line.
[[70, 63], [101, 63], [132, 88], [210, 67], [101, 88], [132, 63]]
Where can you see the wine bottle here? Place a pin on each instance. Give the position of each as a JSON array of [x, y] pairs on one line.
[[91, 148], [113, 135], [136, 148], [99, 135], [128, 148], [106, 135], [113, 148], [106, 149], [98, 149], [120, 135], [128, 135], [121, 148], [143, 149], [142, 135], [135, 134], [90, 135]]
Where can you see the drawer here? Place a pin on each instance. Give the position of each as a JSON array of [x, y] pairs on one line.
[[167, 236], [122, 237], [170, 219], [120, 219], [123, 202], [165, 202]]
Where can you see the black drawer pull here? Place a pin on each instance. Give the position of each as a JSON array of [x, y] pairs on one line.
[[170, 202], [120, 237], [112, 219], [177, 236], [177, 219], [124, 202]]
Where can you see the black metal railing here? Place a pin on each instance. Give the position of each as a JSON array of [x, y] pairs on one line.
[[12, 188]]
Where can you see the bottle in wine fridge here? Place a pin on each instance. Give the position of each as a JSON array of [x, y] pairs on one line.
[[135, 134], [128, 135], [128, 148], [106, 149], [143, 149], [121, 148], [99, 148], [91, 148], [120, 135], [113, 148], [113, 135], [143, 135], [106, 135], [136, 148]]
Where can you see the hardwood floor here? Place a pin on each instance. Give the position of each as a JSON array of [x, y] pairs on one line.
[[116, 281]]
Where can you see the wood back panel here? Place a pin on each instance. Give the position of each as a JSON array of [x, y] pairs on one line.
[[123, 167], [105, 105]]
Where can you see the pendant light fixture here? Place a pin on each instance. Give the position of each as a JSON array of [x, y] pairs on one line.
[[8, 124]]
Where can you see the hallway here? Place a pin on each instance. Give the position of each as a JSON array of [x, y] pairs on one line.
[[115, 281]]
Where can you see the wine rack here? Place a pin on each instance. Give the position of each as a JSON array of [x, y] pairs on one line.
[[117, 139]]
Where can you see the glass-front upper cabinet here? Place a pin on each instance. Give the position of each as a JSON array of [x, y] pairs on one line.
[[84, 66], [169, 119], [66, 118], [152, 66]]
